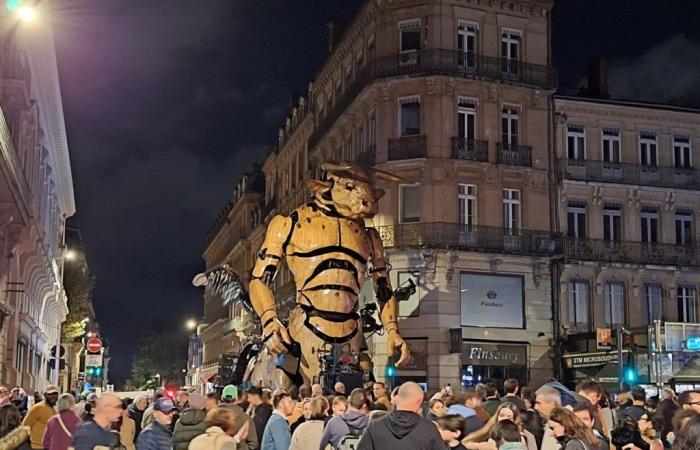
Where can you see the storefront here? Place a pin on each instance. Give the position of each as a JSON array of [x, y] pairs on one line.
[[599, 366], [484, 361]]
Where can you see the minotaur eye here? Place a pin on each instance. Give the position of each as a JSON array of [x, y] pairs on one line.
[[349, 186]]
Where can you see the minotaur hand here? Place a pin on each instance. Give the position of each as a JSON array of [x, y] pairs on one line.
[[276, 335], [394, 342]]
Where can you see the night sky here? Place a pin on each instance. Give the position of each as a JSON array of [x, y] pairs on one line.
[[167, 102]]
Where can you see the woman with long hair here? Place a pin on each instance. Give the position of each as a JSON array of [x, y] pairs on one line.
[[60, 428], [12, 434], [688, 437], [570, 431], [480, 439]]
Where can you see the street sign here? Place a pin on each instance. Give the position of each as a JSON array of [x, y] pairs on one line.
[[93, 360], [94, 345], [61, 364], [62, 351], [604, 338]]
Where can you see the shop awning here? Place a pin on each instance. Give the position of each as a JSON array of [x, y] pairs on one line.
[[207, 377], [691, 371], [608, 376]]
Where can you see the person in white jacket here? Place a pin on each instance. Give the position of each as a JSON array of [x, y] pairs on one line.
[[221, 433]]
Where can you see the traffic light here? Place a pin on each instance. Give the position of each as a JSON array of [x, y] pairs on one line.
[[98, 372], [630, 376], [390, 370], [12, 5], [90, 371]]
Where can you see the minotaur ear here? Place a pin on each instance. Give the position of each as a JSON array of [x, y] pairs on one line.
[[379, 193], [319, 186]]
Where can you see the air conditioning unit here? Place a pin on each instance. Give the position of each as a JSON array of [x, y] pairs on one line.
[[409, 58]]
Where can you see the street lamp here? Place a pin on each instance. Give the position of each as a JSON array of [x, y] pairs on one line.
[[70, 254], [27, 13], [191, 324]]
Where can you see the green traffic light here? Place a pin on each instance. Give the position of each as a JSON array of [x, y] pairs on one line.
[[630, 375], [12, 5], [390, 371]]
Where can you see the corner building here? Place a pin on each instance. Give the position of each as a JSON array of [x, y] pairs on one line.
[[455, 96]]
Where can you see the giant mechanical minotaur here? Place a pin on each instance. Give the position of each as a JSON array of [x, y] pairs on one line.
[[328, 250]]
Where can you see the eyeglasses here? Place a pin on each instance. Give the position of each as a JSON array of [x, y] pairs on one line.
[[693, 403]]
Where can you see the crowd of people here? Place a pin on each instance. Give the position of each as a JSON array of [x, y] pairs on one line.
[[307, 418]]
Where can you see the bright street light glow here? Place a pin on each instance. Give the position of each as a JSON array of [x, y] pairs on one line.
[[191, 324], [70, 255], [27, 13]]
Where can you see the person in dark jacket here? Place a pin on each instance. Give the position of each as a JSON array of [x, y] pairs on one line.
[[191, 423], [94, 432], [228, 396], [136, 410], [492, 402], [156, 435], [260, 410], [403, 428], [355, 417]]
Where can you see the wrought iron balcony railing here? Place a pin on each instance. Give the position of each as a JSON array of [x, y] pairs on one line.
[[470, 149], [430, 62], [515, 155], [445, 235], [408, 147], [625, 173], [631, 252]]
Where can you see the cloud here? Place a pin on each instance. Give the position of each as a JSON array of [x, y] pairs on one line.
[[668, 72]]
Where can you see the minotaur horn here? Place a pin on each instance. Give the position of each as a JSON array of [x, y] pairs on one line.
[[386, 176]]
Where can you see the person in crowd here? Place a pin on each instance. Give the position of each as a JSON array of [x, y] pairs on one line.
[[638, 407], [136, 410], [126, 426], [156, 435], [649, 426], [586, 414], [469, 405], [570, 432], [181, 400], [259, 410], [242, 400], [690, 400], [18, 397], [39, 414], [627, 434], [436, 409], [546, 400], [191, 423], [680, 420], [689, 437], [527, 394], [340, 405], [511, 387], [12, 434], [451, 427], [668, 394], [652, 403], [532, 422], [506, 436], [308, 434], [380, 395], [211, 401], [5, 396], [91, 433], [148, 413], [491, 402], [60, 427], [665, 411], [316, 390], [351, 422], [339, 388], [277, 435], [299, 414], [403, 428], [592, 392], [228, 396], [221, 432], [480, 439]]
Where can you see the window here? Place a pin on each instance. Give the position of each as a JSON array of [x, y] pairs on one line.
[[510, 50], [614, 304], [511, 210], [684, 227], [682, 152], [578, 302], [361, 139], [612, 227], [466, 195], [575, 142], [650, 225], [409, 202], [576, 220], [347, 149], [652, 302], [409, 117], [509, 127], [648, 155], [409, 42], [466, 120], [685, 296], [372, 129], [611, 145], [411, 306], [466, 44]]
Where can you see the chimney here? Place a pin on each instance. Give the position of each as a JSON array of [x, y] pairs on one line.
[[598, 78], [335, 32]]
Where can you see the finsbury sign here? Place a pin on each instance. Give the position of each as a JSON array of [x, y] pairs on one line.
[[491, 301]]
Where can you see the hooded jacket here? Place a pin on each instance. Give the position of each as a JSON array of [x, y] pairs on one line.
[[189, 426], [401, 430], [339, 426], [154, 437]]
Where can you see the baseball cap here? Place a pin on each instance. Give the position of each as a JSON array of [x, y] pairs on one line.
[[230, 391], [163, 404], [51, 389], [197, 401]]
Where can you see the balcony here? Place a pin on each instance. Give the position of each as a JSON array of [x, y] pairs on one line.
[[443, 235], [515, 155], [408, 147], [367, 158], [631, 252], [470, 149], [435, 62], [625, 173]]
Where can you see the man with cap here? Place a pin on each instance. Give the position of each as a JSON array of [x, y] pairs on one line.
[[38, 416], [191, 422], [228, 396], [156, 435]]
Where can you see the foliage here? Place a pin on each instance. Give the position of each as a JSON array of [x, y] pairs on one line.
[[78, 283], [160, 349]]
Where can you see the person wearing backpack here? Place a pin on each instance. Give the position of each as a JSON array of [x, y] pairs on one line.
[[350, 425], [60, 428]]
